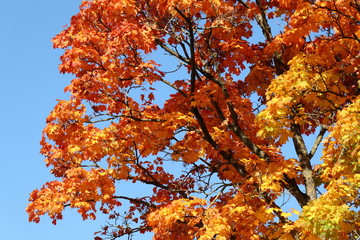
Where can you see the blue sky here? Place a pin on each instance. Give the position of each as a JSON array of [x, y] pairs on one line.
[[31, 83]]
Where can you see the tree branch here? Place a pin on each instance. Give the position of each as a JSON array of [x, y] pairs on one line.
[[317, 142], [171, 51], [136, 200], [174, 87], [305, 163], [262, 22], [291, 185]]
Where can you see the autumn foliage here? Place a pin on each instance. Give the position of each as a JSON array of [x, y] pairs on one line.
[[197, 104]]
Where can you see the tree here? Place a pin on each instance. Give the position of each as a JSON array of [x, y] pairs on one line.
[[241, 88]]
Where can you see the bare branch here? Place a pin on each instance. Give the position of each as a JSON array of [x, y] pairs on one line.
[[317, 142], [136, 200]]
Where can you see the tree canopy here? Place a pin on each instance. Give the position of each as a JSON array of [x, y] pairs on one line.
[[194, 100]]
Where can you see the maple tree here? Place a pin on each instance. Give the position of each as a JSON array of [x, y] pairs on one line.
[[242, 88]]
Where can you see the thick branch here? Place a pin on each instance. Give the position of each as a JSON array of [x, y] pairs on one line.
[[305, 163], [291, 185]]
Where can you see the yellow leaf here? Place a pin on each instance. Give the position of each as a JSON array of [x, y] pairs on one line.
[[285, 214]]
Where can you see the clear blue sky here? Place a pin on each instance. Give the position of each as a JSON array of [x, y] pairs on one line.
[[30, 84]]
